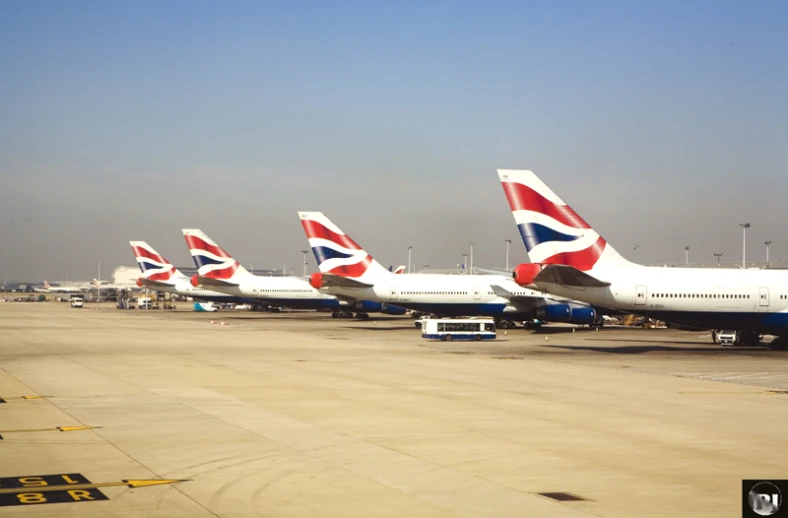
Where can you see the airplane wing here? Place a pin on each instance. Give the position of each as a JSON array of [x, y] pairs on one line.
[[210, 281], [330, 279], [153, 284], [568, 276]]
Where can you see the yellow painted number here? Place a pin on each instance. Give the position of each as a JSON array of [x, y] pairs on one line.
[[33, 482], [31, 498]]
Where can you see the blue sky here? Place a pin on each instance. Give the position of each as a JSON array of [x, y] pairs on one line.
[[662, 123]]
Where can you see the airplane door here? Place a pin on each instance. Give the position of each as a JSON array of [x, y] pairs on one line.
[[763, 298], [393, 293], [640, 296], [477, 294]]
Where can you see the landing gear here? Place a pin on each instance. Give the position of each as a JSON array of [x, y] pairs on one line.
[[362, 316], [342, 314], [780, 343], [749, 338], [505, 324]]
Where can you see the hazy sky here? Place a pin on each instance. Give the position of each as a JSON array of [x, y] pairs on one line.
[[662, 123]]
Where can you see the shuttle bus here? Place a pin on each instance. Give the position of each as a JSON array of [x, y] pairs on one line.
[[448, 329]]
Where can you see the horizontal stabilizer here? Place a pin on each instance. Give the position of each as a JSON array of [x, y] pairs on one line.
[[147, 283], [520, 300], [568, 276], [330, 279], [210, 281], [487, 271]]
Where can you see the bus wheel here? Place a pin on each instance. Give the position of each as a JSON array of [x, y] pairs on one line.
[[478, 338], [447, 338]]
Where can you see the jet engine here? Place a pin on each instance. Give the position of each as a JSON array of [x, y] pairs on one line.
[[195, 281], [368, 306], [566, 313]]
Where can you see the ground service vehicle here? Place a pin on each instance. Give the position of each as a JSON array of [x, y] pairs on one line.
[[448, 329]]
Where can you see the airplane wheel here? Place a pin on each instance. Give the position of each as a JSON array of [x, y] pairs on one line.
[[447, 338], [478, 338]]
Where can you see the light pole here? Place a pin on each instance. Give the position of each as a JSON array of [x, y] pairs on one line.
[[465, 262], [410, 249], [718, 255], [304, 252], [686, 255], [98, 283], [508, 242], [767, 250], [744, 227], [471, 269]]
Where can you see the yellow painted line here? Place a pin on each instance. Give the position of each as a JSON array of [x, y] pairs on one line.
[[128, 483], [55, 429], [24, 397], [770, 392]]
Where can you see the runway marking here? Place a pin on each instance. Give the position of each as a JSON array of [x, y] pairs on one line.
[[55, 429], [5, 399], [63, 488]]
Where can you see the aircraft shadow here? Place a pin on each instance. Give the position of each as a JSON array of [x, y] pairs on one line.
[[640, 349], [398, 328]]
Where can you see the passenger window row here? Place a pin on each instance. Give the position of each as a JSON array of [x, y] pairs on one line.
[[699, 296], [285, 291], [433, 293]]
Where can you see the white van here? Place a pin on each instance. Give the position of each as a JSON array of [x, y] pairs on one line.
[[727, 337], [77, 302], [144, 303]]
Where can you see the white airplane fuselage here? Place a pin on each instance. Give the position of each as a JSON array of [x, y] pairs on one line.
[[293, 292], [455, 295], [755, 300]]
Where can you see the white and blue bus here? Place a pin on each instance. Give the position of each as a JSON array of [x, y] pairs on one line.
[[448, 329]]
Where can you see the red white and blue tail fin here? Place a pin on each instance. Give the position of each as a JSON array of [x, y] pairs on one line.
[[336, 253], [211, 260], [153, 265], [552, 232], [400, 269]]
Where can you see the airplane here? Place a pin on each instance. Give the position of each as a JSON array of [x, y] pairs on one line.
[[106, 285], [76, 288], [217, 270], [570, 259], [160, 275], [400, 269], [348, 270]]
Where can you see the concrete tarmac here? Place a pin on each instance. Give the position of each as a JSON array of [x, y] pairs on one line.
[[303, 415]]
